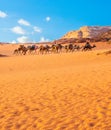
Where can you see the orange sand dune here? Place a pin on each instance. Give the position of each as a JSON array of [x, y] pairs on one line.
[[68, 91]]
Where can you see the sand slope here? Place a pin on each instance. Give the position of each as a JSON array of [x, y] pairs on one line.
[[56, 92]]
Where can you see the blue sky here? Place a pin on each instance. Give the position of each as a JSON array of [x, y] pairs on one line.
[[47, 20]]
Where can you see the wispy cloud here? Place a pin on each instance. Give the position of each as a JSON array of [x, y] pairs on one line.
[[18, 30], [3, 14], [42, 39], [47, 18], [23, 22], [37, 29], [23, 39]]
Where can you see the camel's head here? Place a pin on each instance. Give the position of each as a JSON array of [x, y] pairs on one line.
[[94, 45]]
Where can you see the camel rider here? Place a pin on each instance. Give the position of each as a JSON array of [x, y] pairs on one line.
[[46, 46], [55, 42], [33, 47], [87, 45]]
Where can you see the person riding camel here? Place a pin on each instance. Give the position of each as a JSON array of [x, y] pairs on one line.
[[87, 45]]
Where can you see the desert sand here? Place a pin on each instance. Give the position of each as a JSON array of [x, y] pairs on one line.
[[67, 91]]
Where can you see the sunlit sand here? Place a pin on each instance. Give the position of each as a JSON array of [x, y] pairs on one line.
[[66, 91]]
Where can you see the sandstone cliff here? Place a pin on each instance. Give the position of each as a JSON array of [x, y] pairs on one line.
[[87, 32], [105, 35]]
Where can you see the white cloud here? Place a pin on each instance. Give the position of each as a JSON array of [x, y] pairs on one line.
[[37, 29], [48, 19], [23, 39], [23, 22], [18, 30], [42, 39], [13, 42], [3, 14]]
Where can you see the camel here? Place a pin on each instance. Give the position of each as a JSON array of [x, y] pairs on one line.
[[21, 50], [69, 47], [76, 47], [32, 48], [44, 49], [56, 48], [89, 47]]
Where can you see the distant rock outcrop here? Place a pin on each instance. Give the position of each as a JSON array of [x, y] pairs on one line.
[[105, 35], [87, 32]]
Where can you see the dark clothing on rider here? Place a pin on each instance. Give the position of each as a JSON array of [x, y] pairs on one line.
[[33, 47], [87, 44]]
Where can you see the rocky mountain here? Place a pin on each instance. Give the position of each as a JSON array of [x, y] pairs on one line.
[[87, 32], [105, 35]]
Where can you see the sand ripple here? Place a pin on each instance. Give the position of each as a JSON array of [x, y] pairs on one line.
[[56, 92]]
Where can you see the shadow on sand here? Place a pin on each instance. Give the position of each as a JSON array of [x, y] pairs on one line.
[[1, 55], [106, 53]]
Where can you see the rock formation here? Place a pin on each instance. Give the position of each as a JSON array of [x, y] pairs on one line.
[[87, 32]]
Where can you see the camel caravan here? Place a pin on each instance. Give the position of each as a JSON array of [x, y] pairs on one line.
[[54, 48]]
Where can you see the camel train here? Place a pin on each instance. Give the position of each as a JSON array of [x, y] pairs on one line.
[[54, 48]]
